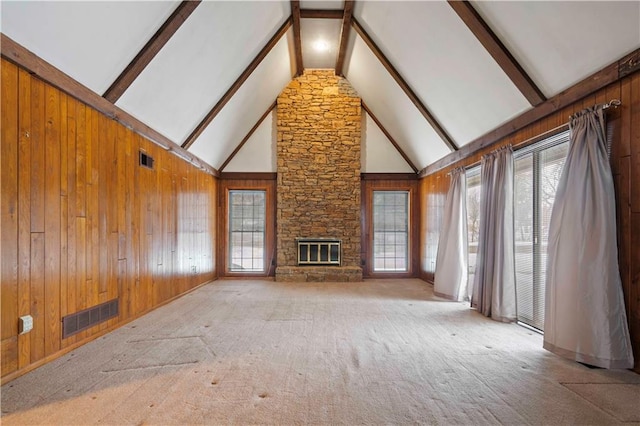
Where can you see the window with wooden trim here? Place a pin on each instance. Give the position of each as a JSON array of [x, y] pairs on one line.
[[391, 231], [247, 211]]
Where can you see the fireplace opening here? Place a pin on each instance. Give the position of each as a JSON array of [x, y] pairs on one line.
[[318, 251]]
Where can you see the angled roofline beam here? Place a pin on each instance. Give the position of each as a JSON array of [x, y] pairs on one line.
[[248, 135], [24, 58], [321, 13], [237, 84], [150, 50], [404, 86], [596, 81], [388, 135], [498, 51], [344, 35], [297, 41]]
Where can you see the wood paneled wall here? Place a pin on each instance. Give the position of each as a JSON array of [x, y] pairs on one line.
[[82, 223], [624, 131]]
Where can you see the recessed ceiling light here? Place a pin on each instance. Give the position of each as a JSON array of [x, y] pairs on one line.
[[321, 45]]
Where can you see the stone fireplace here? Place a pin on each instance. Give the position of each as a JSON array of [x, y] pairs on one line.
[[318, 187]]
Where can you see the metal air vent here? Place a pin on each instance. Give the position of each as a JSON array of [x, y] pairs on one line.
[[79, 321], [146, 160]]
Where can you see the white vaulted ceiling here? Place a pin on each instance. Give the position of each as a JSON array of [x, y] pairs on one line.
[[576, 38], [199, 63], [91, 41], [465, 90]]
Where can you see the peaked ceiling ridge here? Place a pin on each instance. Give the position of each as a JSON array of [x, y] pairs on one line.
[[322, 13]]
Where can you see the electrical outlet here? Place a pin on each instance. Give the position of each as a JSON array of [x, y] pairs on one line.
[[25, 324]]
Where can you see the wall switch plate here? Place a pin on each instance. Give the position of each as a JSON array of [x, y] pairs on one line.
[[25, 324]]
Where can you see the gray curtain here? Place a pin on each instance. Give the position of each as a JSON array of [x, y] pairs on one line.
[[451, 262], [494, 289], [585, 317]]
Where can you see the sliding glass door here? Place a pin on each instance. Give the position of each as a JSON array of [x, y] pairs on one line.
[[537, 173], [473, 222]]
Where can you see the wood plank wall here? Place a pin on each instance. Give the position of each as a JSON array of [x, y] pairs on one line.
[[624, 131], [82, 223]]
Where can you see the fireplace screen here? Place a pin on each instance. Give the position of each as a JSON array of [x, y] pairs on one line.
[[318, 251]]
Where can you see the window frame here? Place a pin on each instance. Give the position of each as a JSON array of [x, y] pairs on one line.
[[223, 253], [406, 231], [230, 231], [410, 186]]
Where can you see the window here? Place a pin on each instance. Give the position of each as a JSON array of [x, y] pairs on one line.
[[247, 231], [536, 175], [390, 231], [473, 221]]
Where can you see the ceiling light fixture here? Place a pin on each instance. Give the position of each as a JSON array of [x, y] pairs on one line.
[[321, 45]]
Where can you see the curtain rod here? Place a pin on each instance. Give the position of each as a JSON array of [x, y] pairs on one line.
[[613, 103]]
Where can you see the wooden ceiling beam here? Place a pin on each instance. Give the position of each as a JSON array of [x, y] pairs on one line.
[[388, 135], [150, 50], [344, 35], [297, 41], [248, 135], [498, 51], [321, 13], [437, 127], [600, 79], [237, 84], [31, 62]]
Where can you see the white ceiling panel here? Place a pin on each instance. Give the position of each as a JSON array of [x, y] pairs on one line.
[[559, 43], [320, 41], [443, 62], [321, 4], [93, 42], [259, 153], [222, 136], [378, 153], [391, 106], [199, 64]]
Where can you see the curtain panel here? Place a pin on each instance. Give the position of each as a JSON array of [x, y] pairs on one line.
[[451, 261], [494, 289], [585, 317]]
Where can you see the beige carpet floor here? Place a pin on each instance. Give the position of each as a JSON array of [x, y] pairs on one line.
[[261, 352]]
